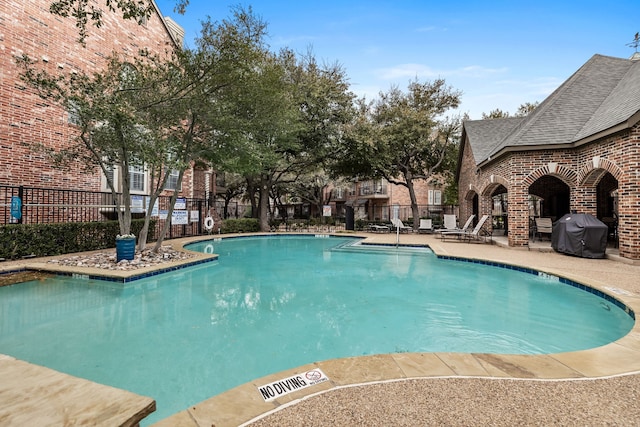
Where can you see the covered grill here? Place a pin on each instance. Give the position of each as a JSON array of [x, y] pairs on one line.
[[582, 235]]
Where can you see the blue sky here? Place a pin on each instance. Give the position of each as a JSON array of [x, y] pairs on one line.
[[500, 54]]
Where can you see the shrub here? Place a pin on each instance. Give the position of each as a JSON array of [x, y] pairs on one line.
[[360, 224], [19, 240], [240, 225]]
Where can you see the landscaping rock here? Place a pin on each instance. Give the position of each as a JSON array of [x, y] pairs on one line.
[[106, 260]]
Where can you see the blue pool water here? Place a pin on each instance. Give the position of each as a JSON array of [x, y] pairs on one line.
[[270, 304]]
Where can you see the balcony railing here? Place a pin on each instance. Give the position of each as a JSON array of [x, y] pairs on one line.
[[380, 190]]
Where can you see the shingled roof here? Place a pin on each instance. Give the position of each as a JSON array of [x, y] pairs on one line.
[[602, 97]]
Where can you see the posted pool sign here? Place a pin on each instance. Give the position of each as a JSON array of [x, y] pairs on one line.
[[288, 385], [16, 207]]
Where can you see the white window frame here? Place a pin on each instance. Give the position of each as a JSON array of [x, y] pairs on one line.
[[139, 170], [137, 175], [435, 197], [172, 181]]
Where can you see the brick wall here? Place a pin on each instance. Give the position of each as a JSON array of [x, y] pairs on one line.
[[399, 194], [27, 27], [615, 158]]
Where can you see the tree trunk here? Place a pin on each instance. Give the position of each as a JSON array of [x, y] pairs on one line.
[[263, 208], [251, 192], [144, 233], [414, 204], [167, 223], [155, 195], [124, 214], [225, 209]]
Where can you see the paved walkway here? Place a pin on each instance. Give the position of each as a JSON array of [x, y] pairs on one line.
[[593, 387]]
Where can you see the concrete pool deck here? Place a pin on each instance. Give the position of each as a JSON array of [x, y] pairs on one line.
[[596, 386]]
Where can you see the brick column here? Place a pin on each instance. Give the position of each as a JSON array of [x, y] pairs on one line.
[[518, 215], [629, 220]]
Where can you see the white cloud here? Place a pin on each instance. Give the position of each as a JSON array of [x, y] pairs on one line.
[[476, 71], [405, 71], [424, 71], [483, 88], [538, 87], [507, 95]]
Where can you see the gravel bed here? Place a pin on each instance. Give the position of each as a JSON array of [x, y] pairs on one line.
[[106, 260]]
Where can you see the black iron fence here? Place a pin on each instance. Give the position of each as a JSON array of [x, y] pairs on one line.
[[403, 212], [30, 205]]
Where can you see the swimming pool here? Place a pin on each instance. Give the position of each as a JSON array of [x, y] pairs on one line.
[[270, 304]]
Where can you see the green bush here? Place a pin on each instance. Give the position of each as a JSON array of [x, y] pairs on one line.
[[240, 225], [19, 240], [275, 223], [361, 224], [323, 220]]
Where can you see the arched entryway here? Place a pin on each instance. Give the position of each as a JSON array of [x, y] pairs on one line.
[[499, 210], [475, 206], [607, 204], [550, 197], [471, 206]]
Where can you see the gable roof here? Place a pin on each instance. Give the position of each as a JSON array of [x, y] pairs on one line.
[[173, 29], [602, 97], [487, 134]]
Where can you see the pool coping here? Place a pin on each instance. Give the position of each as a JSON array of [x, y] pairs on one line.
[[37, 395], [120, 276], [244, 404]]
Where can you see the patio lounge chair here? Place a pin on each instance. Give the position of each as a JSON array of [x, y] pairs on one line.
[[398, 225], [377, 228], [543, 226], [465, 227], [426, 226], [450, 222], [476, 234]]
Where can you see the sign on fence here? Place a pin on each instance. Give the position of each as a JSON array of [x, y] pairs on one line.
[[137, 204], [16, 207], [181, 203], [179, 217]]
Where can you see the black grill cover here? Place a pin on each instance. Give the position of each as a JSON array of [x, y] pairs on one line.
[[580, 234]]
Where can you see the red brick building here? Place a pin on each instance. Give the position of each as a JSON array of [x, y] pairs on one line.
[[29, 28], [579, 151], [374, 200]]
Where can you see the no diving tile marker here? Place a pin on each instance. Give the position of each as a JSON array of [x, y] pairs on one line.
[[290, 384]]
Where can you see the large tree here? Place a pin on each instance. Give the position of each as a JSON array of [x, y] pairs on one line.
[[405, 136], [110, 135], [188, 99], [153, 112], [258, 138], [326, 107], [315, 189], [290, 112]]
